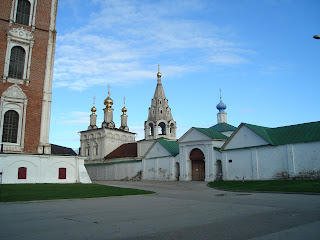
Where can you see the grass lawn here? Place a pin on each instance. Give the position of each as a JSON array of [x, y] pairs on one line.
[[30, 192], [312, 186]]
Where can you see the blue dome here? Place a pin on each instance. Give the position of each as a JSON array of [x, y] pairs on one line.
[[221, 106]]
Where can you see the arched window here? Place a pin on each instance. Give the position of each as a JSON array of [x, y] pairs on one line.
[[23, 12], [10, 127], [16, 66]]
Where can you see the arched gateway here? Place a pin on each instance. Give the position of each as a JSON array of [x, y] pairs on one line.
[[198, 165]]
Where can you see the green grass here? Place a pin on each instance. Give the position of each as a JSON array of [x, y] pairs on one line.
[[30, 192], [312, 186]]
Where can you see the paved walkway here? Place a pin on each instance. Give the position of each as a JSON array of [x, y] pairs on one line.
[[179, 210]]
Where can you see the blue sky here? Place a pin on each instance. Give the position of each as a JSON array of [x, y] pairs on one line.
[[259, 52]]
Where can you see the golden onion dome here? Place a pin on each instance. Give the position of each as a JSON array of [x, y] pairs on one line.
[[108, 101], [93, 110], [124, 110], [159, 74]]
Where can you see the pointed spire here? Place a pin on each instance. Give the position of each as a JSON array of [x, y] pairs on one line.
[[108, 89], [93, 109], [93, 116], [160, 122], [108, 101], [124, 117], [159, 74], [124, 110]]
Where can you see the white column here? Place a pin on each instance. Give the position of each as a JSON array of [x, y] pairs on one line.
[[47, 88]]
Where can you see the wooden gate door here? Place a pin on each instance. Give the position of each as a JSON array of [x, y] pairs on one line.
[[198, 170]]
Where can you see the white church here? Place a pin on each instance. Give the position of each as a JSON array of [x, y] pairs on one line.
[[220, 152]]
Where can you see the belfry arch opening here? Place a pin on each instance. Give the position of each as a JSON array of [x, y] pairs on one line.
[[162, 129], [197, 165], [151, 129]]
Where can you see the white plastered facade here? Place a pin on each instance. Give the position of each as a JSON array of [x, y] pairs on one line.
[[194, 139], [98, 143], [42, 168], [158, 164], [247, 156]]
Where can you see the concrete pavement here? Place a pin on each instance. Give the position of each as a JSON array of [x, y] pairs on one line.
[[180, 210]]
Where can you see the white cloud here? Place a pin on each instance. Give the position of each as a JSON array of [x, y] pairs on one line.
[[227, 58], [124, 40]]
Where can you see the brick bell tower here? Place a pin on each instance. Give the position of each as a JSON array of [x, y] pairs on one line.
[[27, 46]]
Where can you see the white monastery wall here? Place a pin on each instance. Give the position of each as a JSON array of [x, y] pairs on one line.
[[301, 160], [245, 137], [159, 165], [42, 168], [115, 171], [306, 158], [160, 169]]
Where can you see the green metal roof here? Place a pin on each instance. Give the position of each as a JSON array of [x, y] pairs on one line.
[[171, 146], [212, 133], [223, 127], [306, 132]]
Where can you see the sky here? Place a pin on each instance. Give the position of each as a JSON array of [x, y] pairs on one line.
[[260, 53]]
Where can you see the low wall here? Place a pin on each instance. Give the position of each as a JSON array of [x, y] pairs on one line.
[[160, 169], [291, 161], [125, 170], [42, 168]]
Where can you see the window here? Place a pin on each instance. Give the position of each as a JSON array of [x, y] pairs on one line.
[[23, 12], [10, 126], [62, 173], [96, 149], [13, 109], [17, 58], [230, 161], [88, 151], [22, 173]]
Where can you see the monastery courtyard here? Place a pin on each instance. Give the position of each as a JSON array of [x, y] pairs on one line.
[[179, 210]]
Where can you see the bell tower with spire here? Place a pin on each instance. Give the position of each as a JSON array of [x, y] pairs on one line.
[[160, 122]]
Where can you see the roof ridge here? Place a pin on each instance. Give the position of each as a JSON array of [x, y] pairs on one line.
[[299, 124], [304, 132], [212, 133]]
